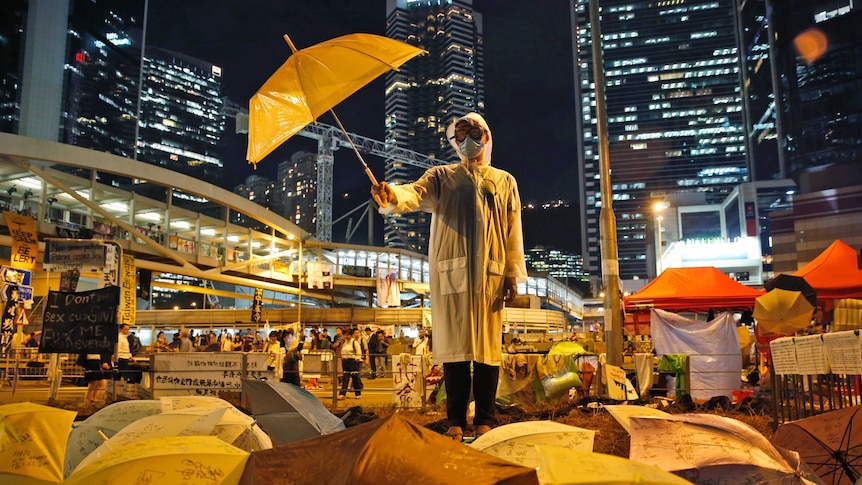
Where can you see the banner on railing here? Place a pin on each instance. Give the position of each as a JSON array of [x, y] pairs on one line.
[[203, 372]]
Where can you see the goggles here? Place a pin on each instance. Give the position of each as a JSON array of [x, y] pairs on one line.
[[464, 130]]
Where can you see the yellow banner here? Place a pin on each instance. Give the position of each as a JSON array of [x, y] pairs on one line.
[[25, 245], [128, 283]]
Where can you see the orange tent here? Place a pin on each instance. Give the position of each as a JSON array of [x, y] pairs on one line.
[[834, 273], [692, 289]]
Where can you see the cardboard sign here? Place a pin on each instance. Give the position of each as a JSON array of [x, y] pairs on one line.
[[81, 322], [25, 245]]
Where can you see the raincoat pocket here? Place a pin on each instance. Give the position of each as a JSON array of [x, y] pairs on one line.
[[453, 275], [494, 281]]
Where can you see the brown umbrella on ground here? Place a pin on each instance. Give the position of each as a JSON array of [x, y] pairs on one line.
[[830, 443], [385, 451]]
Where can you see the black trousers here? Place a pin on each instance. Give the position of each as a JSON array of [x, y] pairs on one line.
[[129, 372], [351, 368], [458, 382]]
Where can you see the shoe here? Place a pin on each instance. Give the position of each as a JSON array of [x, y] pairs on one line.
[[482, 429], [456, 433], [357, 397], [342, 398]]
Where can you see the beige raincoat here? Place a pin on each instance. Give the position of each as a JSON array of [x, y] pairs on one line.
[[476, 241]]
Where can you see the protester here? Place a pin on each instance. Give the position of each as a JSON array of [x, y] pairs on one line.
[[98, 371], [477, 253], [351, 363], [186, 344], [420, 343], [126, 363], [290, 368], [377, 347], [271, 349], [161, 344], [32, 341]]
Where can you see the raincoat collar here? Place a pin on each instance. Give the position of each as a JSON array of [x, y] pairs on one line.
[[450, 133]]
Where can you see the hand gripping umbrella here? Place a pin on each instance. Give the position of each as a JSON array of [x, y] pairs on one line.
[[312, 81]]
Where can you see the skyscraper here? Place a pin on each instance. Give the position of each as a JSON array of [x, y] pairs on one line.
[[297, 183], [818, 64], [674, 114], [182, 120], [102, 73], [428, 92]]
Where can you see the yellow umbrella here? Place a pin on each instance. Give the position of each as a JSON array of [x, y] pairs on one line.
[[510, 440], [191, 460], [558, 466], [315, 79], [783, 311], [32, 443], [624, 412]]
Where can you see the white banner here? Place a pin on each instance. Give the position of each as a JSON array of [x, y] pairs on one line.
[[388, 294], [203, 372], [715, 361], [319, 275]]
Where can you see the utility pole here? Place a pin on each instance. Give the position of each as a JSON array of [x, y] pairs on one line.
[[607, 219]]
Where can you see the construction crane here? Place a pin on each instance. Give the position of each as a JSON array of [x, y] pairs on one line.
[[330, 138]]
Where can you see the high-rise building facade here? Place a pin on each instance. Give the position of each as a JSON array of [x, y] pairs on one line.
[[560, 264], [12, 18], [182, 120], [817, 49], [297, 182], [100, 102], [260, 190], [428, 92], [674, 112]]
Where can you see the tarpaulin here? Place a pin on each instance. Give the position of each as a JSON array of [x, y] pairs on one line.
[[712, 347]]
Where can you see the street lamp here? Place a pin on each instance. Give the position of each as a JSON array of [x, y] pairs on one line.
[[658, 207]]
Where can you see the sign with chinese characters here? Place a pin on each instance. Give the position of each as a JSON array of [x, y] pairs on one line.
[[204, 373], [257, 305], [25, 245]]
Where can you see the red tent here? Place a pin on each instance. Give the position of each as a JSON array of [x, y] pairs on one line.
[[692, 289], [834, 273]]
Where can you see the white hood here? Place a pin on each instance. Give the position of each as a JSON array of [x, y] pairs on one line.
[[450, 134]]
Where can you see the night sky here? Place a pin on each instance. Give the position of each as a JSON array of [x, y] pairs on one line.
[[529, 86]]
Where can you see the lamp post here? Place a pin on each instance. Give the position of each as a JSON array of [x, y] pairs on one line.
[[658, 208], [658, 250]]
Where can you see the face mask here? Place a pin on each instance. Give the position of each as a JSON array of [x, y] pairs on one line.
[[471, 148]]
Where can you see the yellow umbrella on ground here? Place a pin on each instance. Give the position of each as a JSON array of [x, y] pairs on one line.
[[510, 440], [560, 466], [234, 427], [783, 311], [624, 412], [190, 460], [32, 443], [315, 79]]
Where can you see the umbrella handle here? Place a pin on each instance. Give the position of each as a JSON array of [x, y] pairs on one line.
[[355, 150]]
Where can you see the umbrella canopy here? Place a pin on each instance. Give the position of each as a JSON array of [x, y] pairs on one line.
[[509, 441], [830, 443], [184, 422], [234, 427], [384, 451], [85, 436], [191, 460], [287, 412], [568, 467], [704, 447], [314, 80], [32, 441], [793, 283], [624, 412], [783, 311]]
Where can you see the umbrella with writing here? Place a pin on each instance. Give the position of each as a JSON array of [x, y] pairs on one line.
[[830, 443], [90, 433], [32, 442], [185, 422], [234, 427], [171, 460], [706, 449], [510, 440]]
